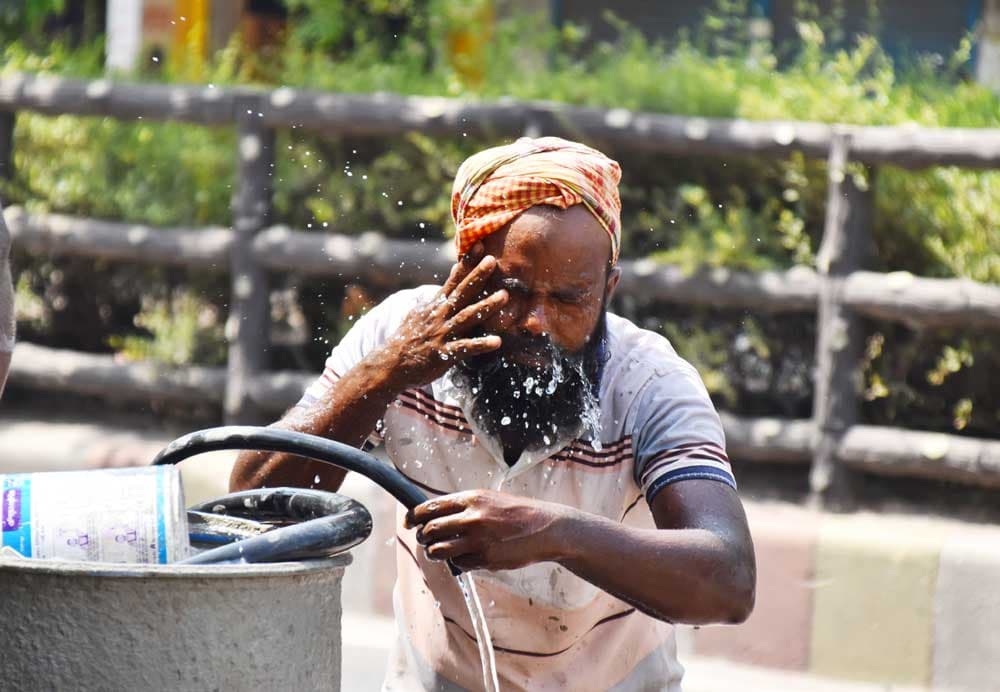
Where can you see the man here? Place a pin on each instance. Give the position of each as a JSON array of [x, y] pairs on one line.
[[574, 460], [6, 304]]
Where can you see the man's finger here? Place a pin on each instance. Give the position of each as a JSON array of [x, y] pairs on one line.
[[455, 548], [466, 348], [444, 528], [438, 507], [457, 273], [462, 267], [478, 312], [471, 287]]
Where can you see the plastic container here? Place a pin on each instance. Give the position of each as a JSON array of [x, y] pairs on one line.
[[133, 515]]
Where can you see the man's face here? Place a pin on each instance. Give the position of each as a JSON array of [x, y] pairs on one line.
[[554, 266]]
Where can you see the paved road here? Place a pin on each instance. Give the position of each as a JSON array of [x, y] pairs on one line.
[[367, 640]]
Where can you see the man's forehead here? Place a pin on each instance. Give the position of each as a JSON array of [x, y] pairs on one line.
[[554, 237]]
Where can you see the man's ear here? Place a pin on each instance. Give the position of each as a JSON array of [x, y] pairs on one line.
[[611, 283]]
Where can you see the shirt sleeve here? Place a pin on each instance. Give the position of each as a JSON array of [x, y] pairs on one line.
[[677, 433], [368, 334]]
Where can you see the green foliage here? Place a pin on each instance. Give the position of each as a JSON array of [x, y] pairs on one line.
[[26, 17], [393, 185], [181, 330], [733, 235], [334, 25], [733, 213], [159, 173]]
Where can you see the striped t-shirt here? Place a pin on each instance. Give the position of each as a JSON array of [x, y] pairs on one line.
[[550, 628]]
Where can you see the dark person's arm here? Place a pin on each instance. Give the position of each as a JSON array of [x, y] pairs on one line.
[[6, 303], [428, 342], [696, 568]]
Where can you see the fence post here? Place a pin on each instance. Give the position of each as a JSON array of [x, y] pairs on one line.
[[248, 326], [846, 238], [7, 144]]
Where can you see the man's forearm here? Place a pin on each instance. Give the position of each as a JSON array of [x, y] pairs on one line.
[[431, 338], [4, 367], [690, 576], [6, 304], [347, 413]]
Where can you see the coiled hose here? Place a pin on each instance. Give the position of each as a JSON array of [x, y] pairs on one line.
[[332, 524], [342, 521]]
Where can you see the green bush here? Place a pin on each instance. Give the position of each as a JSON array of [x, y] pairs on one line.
[[736, 212]]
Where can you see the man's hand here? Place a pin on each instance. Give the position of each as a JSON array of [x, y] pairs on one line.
[[434, 335], [696, 567], [431, 339], [486, 529]]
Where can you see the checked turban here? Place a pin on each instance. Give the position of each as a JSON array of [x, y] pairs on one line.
[[494, 186]]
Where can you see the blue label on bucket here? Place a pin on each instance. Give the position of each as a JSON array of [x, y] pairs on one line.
[[100, 515], [161, 509], [15, 515], [11, 509]]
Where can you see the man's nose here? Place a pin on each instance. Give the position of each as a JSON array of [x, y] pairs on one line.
[[536, 319]]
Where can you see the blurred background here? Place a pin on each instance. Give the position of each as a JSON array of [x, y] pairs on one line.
[[119, 170]]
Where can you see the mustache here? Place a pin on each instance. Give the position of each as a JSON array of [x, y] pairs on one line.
[[529, 345], [534, 388]]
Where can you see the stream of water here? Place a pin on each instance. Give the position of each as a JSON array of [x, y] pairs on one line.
[[482, 632]]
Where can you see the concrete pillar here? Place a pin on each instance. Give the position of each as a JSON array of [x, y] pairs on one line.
[[988, 46], [224, 21], [124, 35]]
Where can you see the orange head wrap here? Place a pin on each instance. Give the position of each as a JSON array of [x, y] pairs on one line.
[[496, 185]]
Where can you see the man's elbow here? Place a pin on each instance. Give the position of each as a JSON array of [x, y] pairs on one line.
[[741, 591], [246, 472]]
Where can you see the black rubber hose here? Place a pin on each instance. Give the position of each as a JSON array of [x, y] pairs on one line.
[[206, 528], [299, 444], [334, 523]]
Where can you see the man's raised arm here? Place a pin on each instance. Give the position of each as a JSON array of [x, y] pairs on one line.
[[429, 341]]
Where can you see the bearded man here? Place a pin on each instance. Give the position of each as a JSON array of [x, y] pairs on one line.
[[574, 460]]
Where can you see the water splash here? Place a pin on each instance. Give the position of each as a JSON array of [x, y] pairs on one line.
[[490, 681], [590, 416]]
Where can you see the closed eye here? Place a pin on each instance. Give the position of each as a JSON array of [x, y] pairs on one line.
[[514, 286], [573, 298]]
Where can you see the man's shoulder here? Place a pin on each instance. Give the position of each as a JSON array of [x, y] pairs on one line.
[[393, 308], [407, 298], [641, 361], [631, 346]]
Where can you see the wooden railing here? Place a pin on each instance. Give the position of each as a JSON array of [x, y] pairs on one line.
[[839, 291]]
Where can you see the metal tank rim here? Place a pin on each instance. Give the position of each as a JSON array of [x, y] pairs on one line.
[[171, 571]]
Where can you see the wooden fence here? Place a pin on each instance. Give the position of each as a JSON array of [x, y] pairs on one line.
[[839, 291]]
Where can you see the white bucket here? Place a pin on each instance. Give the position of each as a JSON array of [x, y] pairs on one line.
[[133, 515]]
